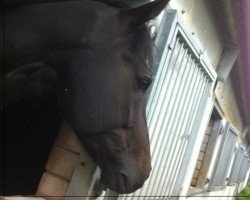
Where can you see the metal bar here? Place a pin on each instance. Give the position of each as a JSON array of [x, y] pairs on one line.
[[172, 106], [167, 129], [160, 79], [197, 96], [166, 101], [175, 115], [236, 167], [163, 105], [160, 103], [172, 143]]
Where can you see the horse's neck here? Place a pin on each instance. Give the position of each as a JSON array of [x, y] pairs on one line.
[[79, 26], [34, 31], [33, 80]]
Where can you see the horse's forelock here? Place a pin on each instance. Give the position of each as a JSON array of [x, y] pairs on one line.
[[144, 45]]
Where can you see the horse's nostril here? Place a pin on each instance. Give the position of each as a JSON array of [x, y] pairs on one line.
[[123, 178], [128, 126]]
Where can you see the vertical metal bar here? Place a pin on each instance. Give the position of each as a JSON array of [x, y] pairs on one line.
[[159, 78], [168, 120], [163, 87], [236, 168], [168, 104], [167, 169], [242, 169], [225, 159], [196, 98], [157, 118], [95, 180], [184, 146], [222, 159], [161, 107], [176, 114], [176, 146], [159, 104]]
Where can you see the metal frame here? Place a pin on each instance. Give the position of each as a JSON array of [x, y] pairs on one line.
[[243, 169], [171, 25], [223, 158], [236, 166]]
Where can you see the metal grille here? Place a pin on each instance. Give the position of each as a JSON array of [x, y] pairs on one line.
[[181, 85], [236, 167], [243, 169], [247, 168], [225, 156]]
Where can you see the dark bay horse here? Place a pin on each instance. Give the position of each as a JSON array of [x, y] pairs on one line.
[[92, 61]]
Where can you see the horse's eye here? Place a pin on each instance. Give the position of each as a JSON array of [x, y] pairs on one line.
[[143, 83]]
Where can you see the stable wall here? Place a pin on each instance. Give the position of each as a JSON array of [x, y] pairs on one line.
[[200, 19], [228, 193], [199, 16], [69, 170], [226, 98]]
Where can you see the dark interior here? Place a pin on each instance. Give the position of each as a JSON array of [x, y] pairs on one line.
[[28, 130]]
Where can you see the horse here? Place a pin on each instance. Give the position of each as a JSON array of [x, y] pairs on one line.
[[92, 60]]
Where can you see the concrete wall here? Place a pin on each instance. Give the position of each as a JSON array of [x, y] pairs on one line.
[[69, 170], [226, 98]]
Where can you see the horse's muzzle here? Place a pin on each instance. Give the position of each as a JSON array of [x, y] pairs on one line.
[[122, 183]]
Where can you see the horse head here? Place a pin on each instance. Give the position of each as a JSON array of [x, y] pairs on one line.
[[99, 74]]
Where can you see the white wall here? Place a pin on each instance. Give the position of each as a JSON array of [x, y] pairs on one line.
[[200, 20]]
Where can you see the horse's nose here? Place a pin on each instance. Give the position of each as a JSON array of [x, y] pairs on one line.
[[122, 181], [127, 184]]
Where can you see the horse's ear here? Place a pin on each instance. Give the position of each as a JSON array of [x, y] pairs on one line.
[[144, 13]]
